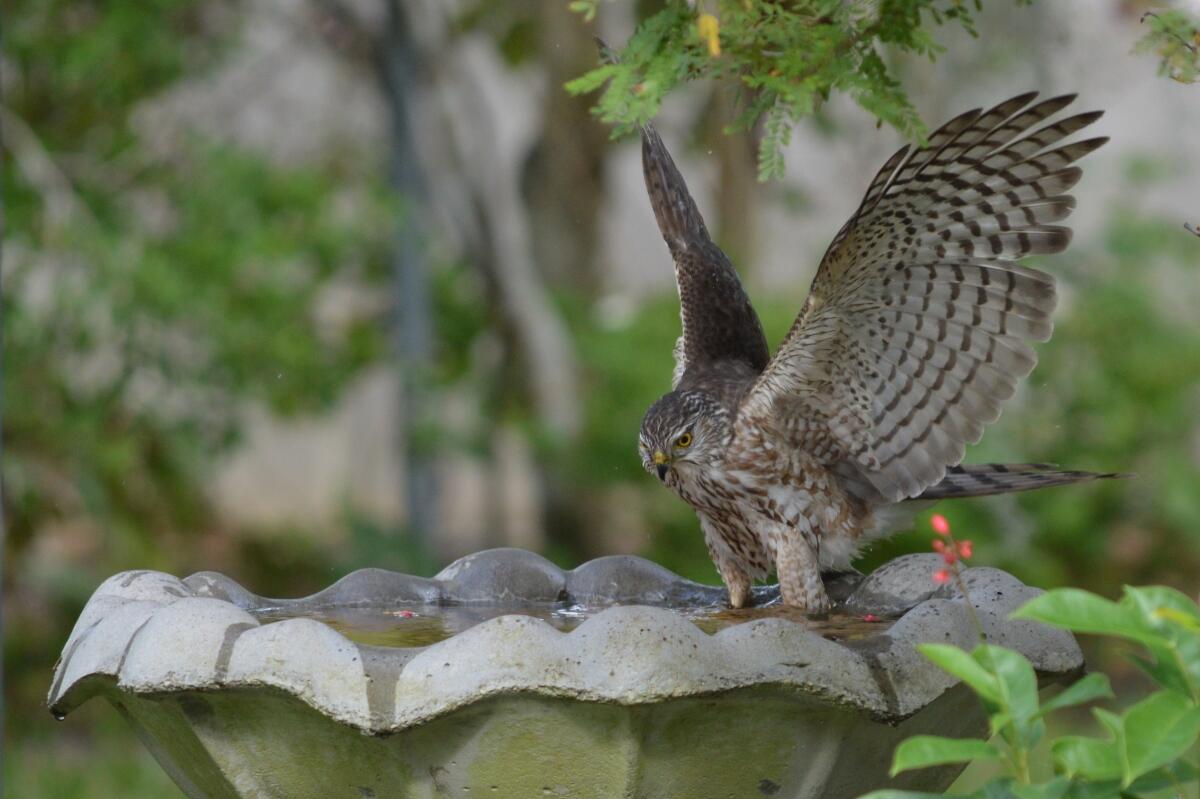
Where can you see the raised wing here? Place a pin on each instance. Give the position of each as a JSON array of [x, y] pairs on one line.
[[719, 324], [915, 329]]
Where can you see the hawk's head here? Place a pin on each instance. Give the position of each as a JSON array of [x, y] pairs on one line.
[[683, 427]]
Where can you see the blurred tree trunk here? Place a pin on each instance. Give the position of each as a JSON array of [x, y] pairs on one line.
[[565, 173], [737, 190], [495, 227]]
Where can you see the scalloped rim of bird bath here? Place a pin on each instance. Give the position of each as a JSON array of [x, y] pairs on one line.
[[150, 633]]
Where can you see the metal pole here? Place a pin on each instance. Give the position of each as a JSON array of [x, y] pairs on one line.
[[413, 324]]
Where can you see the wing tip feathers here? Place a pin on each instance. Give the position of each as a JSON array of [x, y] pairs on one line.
[[678, 217]]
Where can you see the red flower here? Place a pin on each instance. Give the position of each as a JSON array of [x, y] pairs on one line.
[[949, 556], [964, 549], [939, 524], [941, 576], [405, 614], [939, 545], [870, 617]]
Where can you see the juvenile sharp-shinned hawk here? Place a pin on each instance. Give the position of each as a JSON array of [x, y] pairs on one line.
[[913, 334]]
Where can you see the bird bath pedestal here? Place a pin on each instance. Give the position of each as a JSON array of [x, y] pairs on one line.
[[636, 701]]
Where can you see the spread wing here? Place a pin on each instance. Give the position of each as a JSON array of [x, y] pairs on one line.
[[915, 329], [719, 324]]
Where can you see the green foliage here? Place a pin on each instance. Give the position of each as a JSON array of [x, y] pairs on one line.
[[1143, 748], [786, 58], [923, 751], [1164, 621], [61, 761], [155, 286], [220, 310], [148, 295], [76, 67], [587, 8], [1174, 36]]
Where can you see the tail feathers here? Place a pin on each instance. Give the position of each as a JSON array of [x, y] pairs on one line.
[[678, 217], [984, 479]]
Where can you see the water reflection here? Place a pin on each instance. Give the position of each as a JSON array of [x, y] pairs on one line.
[[422, 625]]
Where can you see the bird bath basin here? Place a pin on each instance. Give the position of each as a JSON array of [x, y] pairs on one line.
[[505, 677]]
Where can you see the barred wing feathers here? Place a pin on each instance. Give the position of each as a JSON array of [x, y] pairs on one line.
[[915, 329]]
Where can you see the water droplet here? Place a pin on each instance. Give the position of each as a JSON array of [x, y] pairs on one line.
[[58, 715]]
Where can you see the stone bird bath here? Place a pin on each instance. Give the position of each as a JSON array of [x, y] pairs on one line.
[[636, 701]]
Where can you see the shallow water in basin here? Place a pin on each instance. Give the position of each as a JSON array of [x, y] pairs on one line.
[[422, 625]]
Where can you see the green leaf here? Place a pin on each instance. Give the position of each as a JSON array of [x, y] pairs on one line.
[[1055, 789], [585, 7], [1172, 35], [1085, 612], [922, 751], [998, 788], [1018, 689], [1164, 670], [1111, 721], [1178, 773], [1108, 789], [1090, 758], [1185, 620], [1151, 600], [1158, 729], [1088, 689], [591, 80], [1150, 735], [960, 664]]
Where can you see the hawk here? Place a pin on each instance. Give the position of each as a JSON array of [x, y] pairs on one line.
[[915, 331]]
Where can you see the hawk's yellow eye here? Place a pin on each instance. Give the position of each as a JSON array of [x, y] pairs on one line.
[[684, 441]]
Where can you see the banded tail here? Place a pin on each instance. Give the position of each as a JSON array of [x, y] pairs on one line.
[[984, 479]]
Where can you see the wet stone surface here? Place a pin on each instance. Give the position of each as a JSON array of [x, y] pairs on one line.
[[423, 625], [387, 609]]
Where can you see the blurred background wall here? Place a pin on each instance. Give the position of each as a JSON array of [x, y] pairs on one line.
[[294, 287]]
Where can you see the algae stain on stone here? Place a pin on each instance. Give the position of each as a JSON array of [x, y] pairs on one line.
[[547, 747], [317, 758], [699, 747]]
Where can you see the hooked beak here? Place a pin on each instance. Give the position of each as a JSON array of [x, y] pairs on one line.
[[662, 464]]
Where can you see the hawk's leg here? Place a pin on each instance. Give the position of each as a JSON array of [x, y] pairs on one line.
[[799, 572], [736, 580], [735, 576]]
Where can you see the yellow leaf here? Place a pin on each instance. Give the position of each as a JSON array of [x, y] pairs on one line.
[[710, 31], [1179, 617]]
